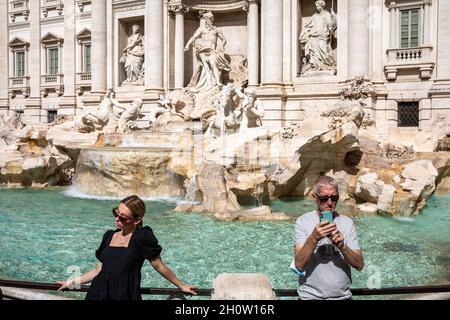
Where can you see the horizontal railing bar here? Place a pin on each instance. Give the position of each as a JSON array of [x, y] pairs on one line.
[[208, 292], [375, 292]]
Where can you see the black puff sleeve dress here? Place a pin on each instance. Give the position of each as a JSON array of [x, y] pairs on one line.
[[120, 277]]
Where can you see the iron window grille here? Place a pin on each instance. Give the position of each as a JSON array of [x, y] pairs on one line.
[[408, 114], [51, 115]]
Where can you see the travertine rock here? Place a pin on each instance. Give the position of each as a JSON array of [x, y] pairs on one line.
[[369, 187], [367, 208], [242, 286]]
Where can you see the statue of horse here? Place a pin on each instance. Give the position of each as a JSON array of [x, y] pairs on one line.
[[226, 116]]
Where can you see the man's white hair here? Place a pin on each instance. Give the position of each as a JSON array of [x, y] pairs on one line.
[[324, 181]]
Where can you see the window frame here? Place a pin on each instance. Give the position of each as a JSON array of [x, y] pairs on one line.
[[399, 113], [420, 25], [17, 69], [49, 59], [84, 57], [16, 46], [51, 115]]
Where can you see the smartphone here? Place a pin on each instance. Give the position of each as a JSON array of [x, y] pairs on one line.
[[326, 215]]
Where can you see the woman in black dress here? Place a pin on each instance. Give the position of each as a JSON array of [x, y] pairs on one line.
[[121, 255]]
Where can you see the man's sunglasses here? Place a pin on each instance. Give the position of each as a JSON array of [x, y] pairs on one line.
[[334, 198], [117, 214]]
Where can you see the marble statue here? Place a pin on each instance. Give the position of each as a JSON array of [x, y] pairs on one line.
[[209, 54], [129, 115], [8, 128], [98, 119], [227, 116], [133, 57], [167, 112], [252, 109], [316, 41]]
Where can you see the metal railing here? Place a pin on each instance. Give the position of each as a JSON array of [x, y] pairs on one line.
[[178, 294]]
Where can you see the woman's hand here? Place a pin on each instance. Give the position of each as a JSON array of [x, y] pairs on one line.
[[188, 288], [65, 284]]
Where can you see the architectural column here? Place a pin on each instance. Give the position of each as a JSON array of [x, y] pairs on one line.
[[179, 9], [154, 45], [272, 49], [378, 51], [110, 71], [33, 105], [99, 52], [253, 43], [359, 38], [443, 45], [68, 104], [392, 26], [427, 22], [4, 52]]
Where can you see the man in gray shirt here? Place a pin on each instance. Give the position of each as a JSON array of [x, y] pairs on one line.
[[325, 251]]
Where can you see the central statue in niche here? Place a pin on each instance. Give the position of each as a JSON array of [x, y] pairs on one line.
[[315, 40], [133, 57], [209, 53]]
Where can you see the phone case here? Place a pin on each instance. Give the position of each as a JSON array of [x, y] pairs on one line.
[[327, 215]]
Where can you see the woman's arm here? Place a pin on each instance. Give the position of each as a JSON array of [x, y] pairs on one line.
[[163, 270], [85, 278]]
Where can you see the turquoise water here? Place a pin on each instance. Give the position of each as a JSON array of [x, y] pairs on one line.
[[45, 234]]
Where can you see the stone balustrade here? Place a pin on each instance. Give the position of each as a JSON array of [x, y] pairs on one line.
[[52, 82], [83, 81], [19, 84], [410, 58], [82, 3], [83, 77], [47, 5], [17, 8]]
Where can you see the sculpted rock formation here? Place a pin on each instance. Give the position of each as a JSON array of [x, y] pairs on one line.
[[33, 160]]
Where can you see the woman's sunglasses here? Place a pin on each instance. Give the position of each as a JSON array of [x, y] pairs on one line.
[[117, 214], [334, 198]]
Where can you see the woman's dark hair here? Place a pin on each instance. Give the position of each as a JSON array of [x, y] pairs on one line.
[[136, 206]]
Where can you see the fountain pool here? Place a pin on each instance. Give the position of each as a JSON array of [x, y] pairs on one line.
[[46, 235]]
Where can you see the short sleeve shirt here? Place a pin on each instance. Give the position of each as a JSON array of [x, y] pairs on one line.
[[327, 274]]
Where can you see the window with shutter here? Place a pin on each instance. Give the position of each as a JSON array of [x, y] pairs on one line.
[[20, 64], [53, 61], [410, 28], [87, 58]]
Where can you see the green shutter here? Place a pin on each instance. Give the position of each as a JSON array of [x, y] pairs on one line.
[[410, 28], [20, 64], [56, 61], [53, 63], [87, 58], [414, 28]]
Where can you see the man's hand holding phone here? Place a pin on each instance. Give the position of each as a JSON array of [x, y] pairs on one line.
[[322, 230]]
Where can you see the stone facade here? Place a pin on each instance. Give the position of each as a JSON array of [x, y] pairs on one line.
[[61, 57]]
